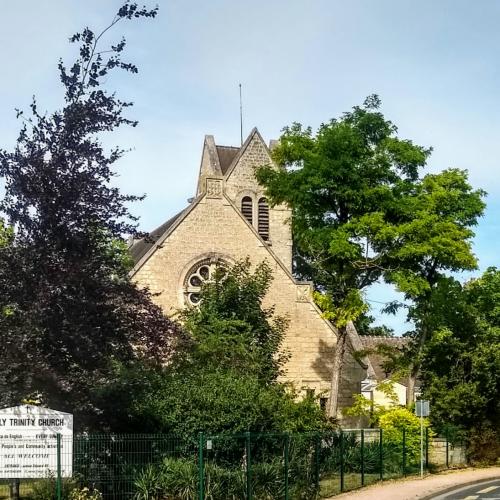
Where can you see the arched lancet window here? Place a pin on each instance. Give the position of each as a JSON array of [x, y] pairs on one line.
[[247, 208], [263, 219]]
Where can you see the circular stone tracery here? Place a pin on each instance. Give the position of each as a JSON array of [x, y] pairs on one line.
[[199, 274]]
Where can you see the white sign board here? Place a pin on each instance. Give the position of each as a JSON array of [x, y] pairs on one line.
[[28, 442]]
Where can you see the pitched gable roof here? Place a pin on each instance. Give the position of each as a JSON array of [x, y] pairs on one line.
[[219, 160], [241, 151]]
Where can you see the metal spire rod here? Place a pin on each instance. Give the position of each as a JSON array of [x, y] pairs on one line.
[[241, 118]]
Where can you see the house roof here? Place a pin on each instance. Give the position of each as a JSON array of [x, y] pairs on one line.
[[370, 344]]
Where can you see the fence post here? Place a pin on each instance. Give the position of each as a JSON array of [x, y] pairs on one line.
[[381, 454], [341, 460], [201, 467], [362, 457], [317, 447], [58, 478], [427, 448], [249, 466], [14, 486], [287, 451], [447, 450], [404, 451]]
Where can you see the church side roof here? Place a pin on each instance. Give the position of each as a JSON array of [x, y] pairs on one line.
[[141, 247], [226, 156]]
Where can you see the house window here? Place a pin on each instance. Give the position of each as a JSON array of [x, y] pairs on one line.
[[263, 219], [322, 403], [247, 208], [310, 393], [199, 274]]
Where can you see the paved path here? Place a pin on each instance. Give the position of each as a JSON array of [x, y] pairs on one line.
[[427, 488]]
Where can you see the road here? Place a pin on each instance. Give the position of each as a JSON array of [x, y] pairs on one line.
[[450, 485], [486, 490]]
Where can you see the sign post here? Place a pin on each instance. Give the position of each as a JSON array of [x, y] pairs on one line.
[[422, 409], [31, 438]]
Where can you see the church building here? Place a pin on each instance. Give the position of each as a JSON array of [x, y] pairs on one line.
[[228, 220]]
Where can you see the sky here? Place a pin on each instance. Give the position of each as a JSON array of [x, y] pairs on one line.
[[435, 65]]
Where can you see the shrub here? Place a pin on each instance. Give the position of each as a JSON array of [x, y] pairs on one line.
[[179, 478], [45, 489], [85, 494], [483, 446], [147, 484], [393, 422]]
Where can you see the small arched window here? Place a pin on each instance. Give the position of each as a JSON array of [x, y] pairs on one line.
[[263, 219], [247, 208]]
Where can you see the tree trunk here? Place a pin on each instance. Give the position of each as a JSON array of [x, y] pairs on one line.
[[415, 365], [338, 362], [410, 389]]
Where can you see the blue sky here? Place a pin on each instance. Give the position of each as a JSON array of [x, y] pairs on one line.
[[436, 66]]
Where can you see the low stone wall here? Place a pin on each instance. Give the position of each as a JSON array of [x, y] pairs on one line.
[[437, 453]]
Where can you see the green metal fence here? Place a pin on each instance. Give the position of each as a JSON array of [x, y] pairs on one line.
[[245, 466]]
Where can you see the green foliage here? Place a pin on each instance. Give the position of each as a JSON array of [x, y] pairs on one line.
[[178, 478], [362, 211], [393, 421], [85, 494], [6, 234], [344, 185], [340, 313], [364, 407], [483, 445], [364, 326], [225, 379], [222, 401], [461, 362], [69, 308], [433, 231], [231, 329], [45, 489]]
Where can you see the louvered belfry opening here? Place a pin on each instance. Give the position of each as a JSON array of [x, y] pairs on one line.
[[263, 220], [247, 208]]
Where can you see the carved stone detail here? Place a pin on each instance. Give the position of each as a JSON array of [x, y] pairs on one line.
[[214, 188], [304, 292]]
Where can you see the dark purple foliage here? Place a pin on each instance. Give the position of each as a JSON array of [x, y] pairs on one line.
[[69, 312]]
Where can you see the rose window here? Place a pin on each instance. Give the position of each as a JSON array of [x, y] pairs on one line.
[[202, 273]]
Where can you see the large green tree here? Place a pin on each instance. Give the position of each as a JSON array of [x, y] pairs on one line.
[[70, 311], [460, 367], [431, 239], [357, 200]]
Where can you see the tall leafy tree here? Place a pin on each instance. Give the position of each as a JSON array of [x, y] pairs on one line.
[[431, 238], [70, 310], [460, 362], [354, 188]]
